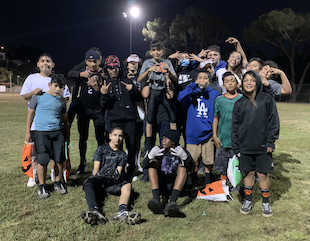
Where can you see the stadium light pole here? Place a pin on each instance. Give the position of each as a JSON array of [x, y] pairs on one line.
[[134, 12]]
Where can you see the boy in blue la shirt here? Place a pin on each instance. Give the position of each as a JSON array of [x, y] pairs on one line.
[[50, 116], [199, 99]]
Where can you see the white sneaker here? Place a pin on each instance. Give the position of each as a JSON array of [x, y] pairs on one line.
[[31, 182], [53, 177]]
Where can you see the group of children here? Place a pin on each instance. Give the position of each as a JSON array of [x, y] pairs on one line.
[[217, 106]]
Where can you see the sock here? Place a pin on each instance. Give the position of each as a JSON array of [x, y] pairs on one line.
[[122, 207], [265, 195], [208, 178], [174, 195], [156, 194], [248, 192], [148, 144]]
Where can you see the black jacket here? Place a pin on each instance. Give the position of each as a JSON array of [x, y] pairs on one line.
[[255, 128], [119, 102]]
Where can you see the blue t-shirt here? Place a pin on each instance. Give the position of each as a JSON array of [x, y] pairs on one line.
[[48, 112]]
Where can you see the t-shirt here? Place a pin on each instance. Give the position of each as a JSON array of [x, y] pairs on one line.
[[223, 108], [275, 86], [109, 160], [34, 81], [158, 79], [48, 110]]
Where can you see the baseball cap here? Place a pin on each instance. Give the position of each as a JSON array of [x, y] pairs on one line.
[[204, 63], [133, 58], [112, 61], [92, 54]]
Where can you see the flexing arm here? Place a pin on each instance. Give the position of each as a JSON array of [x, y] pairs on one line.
[[238, 47]]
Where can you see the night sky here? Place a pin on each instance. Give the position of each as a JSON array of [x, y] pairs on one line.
[[67, 28]]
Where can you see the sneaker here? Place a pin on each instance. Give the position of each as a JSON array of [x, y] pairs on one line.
[[93, 217], [246, 207], [53, 177], [172, 210], [42, 191], [267, 212], [81, 170], [127, 217], [60, 188], [31, 182], [155, 206]]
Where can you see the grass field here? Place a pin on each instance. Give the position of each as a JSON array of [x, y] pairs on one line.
[[24, 217]]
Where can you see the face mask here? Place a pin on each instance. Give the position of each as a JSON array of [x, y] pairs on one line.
[[184, 62]]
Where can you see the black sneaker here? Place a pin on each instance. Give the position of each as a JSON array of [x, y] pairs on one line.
[[144, 178], [60, 188], [127, 217], [172, 210], [42, 191], [246, 207], [81, 170], [155, 206], [267, 212]]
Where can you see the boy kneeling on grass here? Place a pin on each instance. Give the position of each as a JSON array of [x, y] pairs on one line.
[[50, 115], [107, 177]]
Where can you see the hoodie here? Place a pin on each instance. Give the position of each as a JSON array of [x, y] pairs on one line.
[[254, 129]]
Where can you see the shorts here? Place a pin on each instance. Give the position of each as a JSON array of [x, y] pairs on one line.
[[256, 162], [221, 159], [204, 150], [101, 187], [159, 97], [49, 145]]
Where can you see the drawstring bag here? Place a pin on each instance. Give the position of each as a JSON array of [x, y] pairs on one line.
[[26, 160], [234, 174], [215, 191]]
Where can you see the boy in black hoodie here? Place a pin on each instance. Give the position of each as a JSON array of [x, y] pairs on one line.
[[255, 128]]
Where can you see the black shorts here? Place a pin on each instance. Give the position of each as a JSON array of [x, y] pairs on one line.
[[256, 162], [159, 97], [101, 187], [49, 145], [221, 159]]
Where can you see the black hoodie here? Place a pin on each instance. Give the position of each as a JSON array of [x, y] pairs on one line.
[[255, 128]]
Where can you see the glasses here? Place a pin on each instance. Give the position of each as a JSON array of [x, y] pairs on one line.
[[235, 57]]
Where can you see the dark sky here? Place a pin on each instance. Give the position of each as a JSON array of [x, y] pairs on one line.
[[67, 28]]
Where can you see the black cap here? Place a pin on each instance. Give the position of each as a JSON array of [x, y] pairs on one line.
[[173, 135], [92, 54]]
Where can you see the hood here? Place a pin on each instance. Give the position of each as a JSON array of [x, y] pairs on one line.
[[259, 86]]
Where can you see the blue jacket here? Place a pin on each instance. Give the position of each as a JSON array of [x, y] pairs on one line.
[[200, 105]]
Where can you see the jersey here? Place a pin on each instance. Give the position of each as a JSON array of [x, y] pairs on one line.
[[223, 108]]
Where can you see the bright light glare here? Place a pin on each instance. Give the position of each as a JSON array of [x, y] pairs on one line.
[[135, 12], [125, 15]]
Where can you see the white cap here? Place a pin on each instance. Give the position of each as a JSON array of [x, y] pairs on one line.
[[204, 63], [133, 58]]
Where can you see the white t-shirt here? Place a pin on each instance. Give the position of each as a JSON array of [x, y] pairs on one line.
[[219, 75], [34, 81]]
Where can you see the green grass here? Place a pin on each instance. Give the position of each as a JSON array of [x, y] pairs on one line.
[[25, 217]]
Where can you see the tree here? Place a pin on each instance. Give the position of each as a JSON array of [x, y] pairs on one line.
[[157, 29], [196, 28], [5, 75], [287, 31]]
